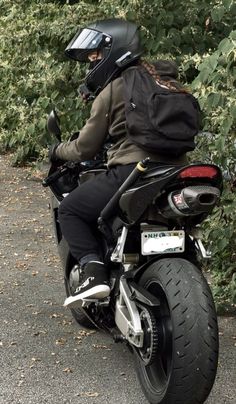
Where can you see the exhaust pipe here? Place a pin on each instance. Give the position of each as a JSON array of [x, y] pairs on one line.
[[193, 200]]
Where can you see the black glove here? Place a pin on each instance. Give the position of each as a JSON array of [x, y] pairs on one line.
[[52, 153], [85, 93]]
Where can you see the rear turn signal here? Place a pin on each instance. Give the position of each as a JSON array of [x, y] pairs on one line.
[[198, 172]]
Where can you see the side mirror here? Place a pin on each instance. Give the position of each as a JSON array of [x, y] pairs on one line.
[[53, 125]]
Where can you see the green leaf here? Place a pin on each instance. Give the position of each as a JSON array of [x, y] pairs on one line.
[[226, 46], [44, 102], [218, 13], [204, 75], [233, 35], [227, 4], [226, 125], [233, 111], [12, 142], [222, 243], [31, 129], [42, 124], [215, 100], [212, 60], [220, 143]]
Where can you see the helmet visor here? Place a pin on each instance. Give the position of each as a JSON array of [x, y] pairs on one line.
[[85, 42]]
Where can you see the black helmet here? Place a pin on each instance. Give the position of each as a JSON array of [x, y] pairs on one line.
[[119, 43]]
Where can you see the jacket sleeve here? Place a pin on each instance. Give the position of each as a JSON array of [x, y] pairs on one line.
[[91, 137]]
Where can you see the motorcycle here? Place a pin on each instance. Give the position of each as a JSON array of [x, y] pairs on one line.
[[160, 303]]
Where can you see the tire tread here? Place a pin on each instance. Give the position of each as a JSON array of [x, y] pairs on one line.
[[195, 351]]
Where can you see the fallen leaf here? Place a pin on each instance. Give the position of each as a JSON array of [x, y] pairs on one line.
[[92, 394], [35, 359], [88, 394], [101, 347], [85, 333], [68, 370], [78, 339], [65, 322], [54, 315], [61, 341], [48, 302]]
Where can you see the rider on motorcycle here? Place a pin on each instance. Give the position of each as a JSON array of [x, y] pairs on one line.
[[109, 46]]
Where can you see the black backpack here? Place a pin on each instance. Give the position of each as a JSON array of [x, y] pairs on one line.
[[159, 120]]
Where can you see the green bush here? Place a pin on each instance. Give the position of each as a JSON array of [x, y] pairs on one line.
[[35, 74], [198, 34], [215, 86]]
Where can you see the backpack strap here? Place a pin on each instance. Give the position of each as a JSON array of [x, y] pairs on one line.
[[109, 106], [129, 88]]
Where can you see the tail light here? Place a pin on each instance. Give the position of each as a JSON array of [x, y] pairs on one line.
[[201, 171]]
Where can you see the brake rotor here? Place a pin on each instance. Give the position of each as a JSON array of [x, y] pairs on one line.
[[151, 340]]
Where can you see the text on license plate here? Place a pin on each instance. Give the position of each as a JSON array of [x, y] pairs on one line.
[[162, 242]]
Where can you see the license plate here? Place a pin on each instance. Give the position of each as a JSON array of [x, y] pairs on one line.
[[162, 242]]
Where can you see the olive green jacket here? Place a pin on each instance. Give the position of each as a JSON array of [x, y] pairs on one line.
[[107, 117]]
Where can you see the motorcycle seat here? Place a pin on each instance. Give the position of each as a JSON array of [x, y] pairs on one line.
[[158, 171]]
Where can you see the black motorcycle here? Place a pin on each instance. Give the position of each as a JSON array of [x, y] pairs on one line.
[[160, 303]]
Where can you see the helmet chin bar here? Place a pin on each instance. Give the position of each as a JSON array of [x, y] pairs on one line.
[[123, 62], [93, 64], [112, 76]]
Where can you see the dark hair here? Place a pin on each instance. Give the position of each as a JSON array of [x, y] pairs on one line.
[[173, 85]]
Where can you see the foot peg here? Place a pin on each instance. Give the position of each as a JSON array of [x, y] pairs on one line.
[[97, 302]]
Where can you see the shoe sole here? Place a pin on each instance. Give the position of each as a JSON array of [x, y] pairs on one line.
[[97, 292]]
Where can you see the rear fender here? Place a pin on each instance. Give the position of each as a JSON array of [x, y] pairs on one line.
[[141, 295]]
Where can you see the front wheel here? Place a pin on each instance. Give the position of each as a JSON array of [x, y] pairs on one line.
[[184, 365]]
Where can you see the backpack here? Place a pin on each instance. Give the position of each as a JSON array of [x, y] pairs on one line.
[[158, 119]]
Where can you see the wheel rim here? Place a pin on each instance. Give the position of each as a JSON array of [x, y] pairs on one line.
[[157, 374]]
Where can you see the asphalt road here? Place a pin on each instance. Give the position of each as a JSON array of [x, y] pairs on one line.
[[45, 357]]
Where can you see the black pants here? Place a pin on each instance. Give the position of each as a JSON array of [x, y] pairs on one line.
[[79, 211]]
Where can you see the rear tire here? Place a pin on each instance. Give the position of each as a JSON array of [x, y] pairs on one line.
[[82, 319], [185, 365]]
